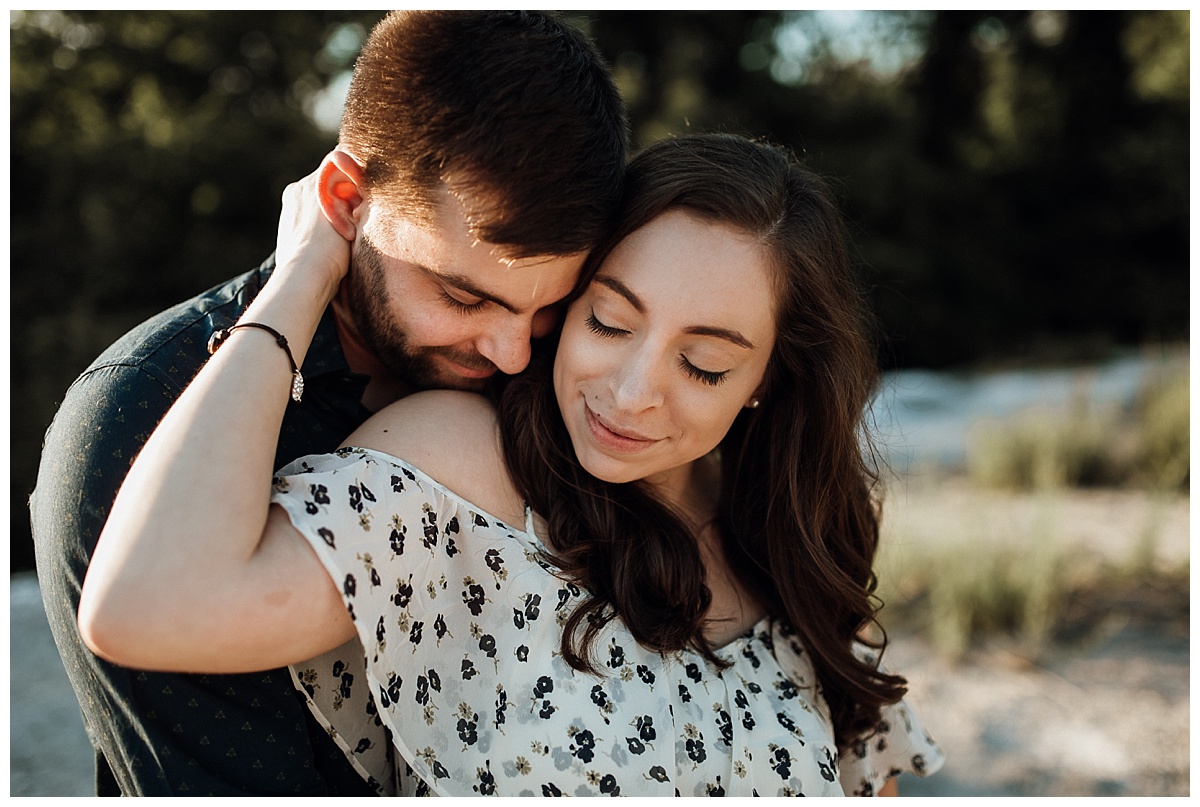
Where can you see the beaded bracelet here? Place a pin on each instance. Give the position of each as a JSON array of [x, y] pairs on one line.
[[219, 337]]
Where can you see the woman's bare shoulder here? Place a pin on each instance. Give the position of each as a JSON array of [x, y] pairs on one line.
[[452, 436]]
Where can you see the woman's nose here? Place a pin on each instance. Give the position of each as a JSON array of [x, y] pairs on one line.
[[637, 384]]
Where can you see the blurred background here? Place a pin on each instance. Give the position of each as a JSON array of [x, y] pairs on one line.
[[1017, 189]]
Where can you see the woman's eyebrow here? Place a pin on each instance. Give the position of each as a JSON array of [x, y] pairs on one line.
[[721, 333], [623, 290], [727, 334]]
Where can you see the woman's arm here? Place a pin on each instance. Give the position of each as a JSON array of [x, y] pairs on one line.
[[194, 570]]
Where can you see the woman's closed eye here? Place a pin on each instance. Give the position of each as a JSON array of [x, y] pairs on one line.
[[600, 329], [709, 377]]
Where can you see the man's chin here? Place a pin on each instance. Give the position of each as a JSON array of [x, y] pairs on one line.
[[440, 378], [457, 375], [434, 371], [463, 384]]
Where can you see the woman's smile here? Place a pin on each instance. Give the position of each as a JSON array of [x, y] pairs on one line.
[[613, 437]]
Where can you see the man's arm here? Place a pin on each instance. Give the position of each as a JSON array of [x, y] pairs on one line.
[[102, 423]]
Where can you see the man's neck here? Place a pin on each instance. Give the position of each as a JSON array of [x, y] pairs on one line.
[[384, 387]]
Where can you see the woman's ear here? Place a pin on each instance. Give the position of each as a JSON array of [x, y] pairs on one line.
[[340, 187], [756, 397]]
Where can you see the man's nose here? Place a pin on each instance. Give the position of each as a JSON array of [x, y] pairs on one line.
[[506, 345]]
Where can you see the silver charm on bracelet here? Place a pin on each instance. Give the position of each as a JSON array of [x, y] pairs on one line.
[[218, 338]]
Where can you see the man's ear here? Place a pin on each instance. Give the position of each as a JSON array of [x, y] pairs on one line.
[[341, 192]]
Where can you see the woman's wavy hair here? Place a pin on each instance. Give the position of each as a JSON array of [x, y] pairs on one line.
[[797, 513]]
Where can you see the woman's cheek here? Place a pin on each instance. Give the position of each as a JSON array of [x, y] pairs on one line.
[[585, 357]]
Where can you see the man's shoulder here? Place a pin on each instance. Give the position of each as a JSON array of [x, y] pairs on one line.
[[173, 343]]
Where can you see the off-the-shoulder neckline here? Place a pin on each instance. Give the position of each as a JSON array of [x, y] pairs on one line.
[[530, 537], [525, 531]]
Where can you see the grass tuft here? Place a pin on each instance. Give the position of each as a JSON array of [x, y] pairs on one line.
[[1017, 566], [1088, 446]]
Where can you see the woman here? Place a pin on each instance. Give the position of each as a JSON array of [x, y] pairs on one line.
[[647, 572]]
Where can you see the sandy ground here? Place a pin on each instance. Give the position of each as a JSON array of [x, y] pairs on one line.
[[49, 752], [1106, 710], [1109, 717]]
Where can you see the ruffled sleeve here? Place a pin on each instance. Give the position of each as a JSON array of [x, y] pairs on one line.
[[898, 744], [359, 514], [385, 534]]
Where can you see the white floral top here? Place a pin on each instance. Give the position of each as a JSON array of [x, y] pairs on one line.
[[462, 690]]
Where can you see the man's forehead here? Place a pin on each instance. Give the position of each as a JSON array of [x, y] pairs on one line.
[[482, 269], [446, 228]]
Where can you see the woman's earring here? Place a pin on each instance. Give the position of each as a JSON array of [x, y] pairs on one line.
[[754, 402]]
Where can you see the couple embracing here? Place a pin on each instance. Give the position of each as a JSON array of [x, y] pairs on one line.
[[521, 469]]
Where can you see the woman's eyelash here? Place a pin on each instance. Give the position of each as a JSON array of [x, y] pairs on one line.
[[597, 327], [459, 305], [703, 376]]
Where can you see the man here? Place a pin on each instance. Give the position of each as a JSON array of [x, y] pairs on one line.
[[473, 146]]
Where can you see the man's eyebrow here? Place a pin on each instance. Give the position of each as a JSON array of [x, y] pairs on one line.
[[727, 334], [464, 283]]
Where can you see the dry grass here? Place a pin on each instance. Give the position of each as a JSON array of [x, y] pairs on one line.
[[1058, 509], [959, 563], [1086, 445]]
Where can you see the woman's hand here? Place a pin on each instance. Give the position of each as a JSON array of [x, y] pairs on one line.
[[308, 249]]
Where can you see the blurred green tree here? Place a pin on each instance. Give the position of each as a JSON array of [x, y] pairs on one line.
[[1050, 214]]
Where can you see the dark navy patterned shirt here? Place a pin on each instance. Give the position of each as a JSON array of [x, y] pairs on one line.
[[166, 734]]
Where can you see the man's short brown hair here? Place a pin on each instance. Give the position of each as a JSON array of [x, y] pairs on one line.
[[514, 112]]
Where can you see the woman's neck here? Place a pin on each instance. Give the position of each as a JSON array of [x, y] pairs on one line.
[[691, 490]]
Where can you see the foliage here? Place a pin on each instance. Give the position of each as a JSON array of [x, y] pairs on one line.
[[1014, 180], [1164, 421], [958, 589], [1045, 448]]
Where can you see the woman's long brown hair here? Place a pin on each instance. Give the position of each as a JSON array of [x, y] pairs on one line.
[[797, 514]]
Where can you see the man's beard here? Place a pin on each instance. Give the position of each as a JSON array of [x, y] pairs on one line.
[[367, 298]]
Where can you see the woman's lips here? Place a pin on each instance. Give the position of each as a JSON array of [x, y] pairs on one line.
[[621, 440]]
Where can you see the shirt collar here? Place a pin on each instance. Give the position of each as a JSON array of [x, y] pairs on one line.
[[325, 354]]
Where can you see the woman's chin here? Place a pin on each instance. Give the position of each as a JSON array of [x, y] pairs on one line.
[[609, 470]]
